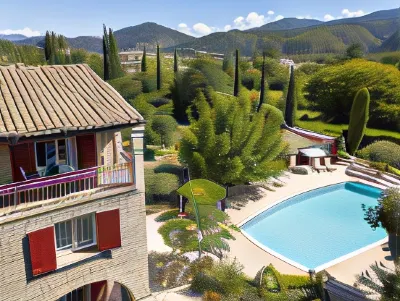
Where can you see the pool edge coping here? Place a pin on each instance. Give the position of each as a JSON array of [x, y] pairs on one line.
[[294, 263]]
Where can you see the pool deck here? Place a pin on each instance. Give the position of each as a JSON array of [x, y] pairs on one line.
[[253, 257]]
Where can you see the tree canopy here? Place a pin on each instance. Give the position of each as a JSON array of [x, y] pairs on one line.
[[231, 143]]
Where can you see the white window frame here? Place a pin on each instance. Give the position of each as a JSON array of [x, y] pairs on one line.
[[55, 236], [74, 225]]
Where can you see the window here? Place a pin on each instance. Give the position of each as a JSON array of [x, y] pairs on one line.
[[80, 294], [77, 233]]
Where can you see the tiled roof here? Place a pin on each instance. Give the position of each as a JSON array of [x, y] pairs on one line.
[[51, 99]]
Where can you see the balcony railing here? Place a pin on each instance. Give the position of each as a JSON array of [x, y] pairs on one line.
[[65, 185]]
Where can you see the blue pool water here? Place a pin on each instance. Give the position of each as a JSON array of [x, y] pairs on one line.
[[316, 227]]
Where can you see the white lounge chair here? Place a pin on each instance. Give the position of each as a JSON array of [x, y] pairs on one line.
[[328, 165], [317, 165]]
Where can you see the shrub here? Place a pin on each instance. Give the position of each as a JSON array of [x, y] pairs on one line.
[[143, 107], [299, 170], [382, 151], [343, 154], [165, 127], [211, 296], [359, 116], [201, 264], [127, 86], [160, 187], [158, 102], [169, 168], [251, 79], [177, 236], [203, 282], [171, 214]]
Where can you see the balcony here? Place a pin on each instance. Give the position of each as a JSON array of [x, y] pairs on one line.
[[19, 196]]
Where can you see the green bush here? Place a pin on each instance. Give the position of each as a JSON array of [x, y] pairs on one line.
[[165, 126], [299, 170], [176, 235], [166, 216], [251, 79], [201, 265], [169, 168], [211, 296], [359, 116], [158, 102], [343, 154], [127, 86], [160, 187], [143, 107], [382, 151]]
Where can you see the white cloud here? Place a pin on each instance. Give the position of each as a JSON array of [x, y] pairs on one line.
[[182, 27], [279, 17], [202, 29], [270, 12], [26, 32], [227, 27], [351, 14], [329, 17], [253, 19]]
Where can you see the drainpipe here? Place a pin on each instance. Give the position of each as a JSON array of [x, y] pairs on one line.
[[137, 157]]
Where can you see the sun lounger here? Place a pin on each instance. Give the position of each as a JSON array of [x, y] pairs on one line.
[[328, 165], [317, 165]]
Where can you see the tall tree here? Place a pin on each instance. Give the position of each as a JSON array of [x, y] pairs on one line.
[[114, 61], [359, 116], [355, 51], [236, 87], [262, 86], [291, 101], [105, 54], [158, 68], [53, 43], [144, 61], [175, 61], [47, 46], [229, 143]]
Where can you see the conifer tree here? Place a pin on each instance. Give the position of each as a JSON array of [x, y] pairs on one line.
[[359, 116], [236, 87], [227, 65], [115, 68], [158, 68], [262, 86], [105, 54], [291, 102], [175, 61], [47, 46], [144, 61], [52, 59]]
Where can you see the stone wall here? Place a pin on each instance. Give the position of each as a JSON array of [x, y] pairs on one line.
[[127, 266]]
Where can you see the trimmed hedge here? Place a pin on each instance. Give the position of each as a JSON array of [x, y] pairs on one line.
[[382, 151], [160, 187], [126, 86]]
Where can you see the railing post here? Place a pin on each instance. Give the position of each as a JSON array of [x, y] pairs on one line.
[[137, 157]]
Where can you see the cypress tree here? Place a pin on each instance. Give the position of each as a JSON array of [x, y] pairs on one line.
[[114, 61], [359, 116], [158, 68], [105, 54], [52, 59], [144, 61], [175, 61], [262, 86], [236, 87], [291, 102], [47, 46]]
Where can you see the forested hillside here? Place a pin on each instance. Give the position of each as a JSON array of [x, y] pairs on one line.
[[11, 53], [392, 43]]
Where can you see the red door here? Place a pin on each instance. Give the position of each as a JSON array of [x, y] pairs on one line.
[[22, 155], [86, 148]]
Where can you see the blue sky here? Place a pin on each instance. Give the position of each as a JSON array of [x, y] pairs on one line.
[[85, 17]]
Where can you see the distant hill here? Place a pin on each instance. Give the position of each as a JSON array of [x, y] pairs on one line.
[[92, 44], [392, 43], [12, 37], [378, 15], [287, 23], [152, 34]]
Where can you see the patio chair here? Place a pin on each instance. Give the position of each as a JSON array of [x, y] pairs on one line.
[[28, 176], [317, 165], [328, 165]]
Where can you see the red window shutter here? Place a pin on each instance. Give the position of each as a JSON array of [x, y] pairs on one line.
[[22, 155], [43, 251], [108, 230], [86, 148], [96, 290]]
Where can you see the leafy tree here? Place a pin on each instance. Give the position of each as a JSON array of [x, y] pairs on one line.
[[144, 60], [359, 116], [106, 64], [272, 53], [47, 46], [355, 51], [262, 88], [114, 61], [231, 144], [158, 68], [227, 65], [236, 86], [164, 126], [175, 61], [331, 91], [277, 74], [291, 102]]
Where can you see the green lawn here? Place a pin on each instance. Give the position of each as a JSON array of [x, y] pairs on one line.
[[335, 129]]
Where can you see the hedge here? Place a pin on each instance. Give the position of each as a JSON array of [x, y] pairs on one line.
[[382, 151]]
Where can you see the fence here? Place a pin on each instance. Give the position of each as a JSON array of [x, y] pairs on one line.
[[67, 184]]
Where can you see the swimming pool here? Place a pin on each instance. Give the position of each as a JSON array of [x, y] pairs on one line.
[[319, 228]]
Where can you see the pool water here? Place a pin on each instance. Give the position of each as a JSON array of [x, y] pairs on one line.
[[316, 229]]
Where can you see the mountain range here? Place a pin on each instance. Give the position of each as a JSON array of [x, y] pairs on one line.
[[378, 31]]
